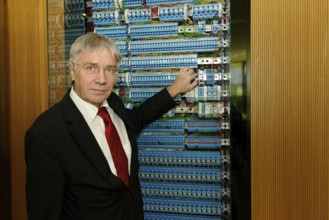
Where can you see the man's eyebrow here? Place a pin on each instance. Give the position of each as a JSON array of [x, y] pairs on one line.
[[96, 64]]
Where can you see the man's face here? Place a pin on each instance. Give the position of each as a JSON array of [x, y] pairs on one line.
[[94, 87]]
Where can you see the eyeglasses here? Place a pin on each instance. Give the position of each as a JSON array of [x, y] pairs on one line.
[[93, 69]]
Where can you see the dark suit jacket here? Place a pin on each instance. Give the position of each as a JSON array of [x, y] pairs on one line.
[[67, 174]]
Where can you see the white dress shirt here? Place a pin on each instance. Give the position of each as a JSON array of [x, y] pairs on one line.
[[96, 125]]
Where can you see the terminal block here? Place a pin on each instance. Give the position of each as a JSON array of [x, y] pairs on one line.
[[124, 64], [203, 126], [181, 174], [130, 3], [211, 109], [163, 62], [115, 32], [161, 141], [183, 206], [201, 27], [104, 4], [153, 30], [205, 77], [169, 126], [173, 13], [164, 2], [208, 77], [170, 216], [138, 15], [203, 44], [72, 34], [145, 79], [207, 11], [122, 46], [204, 93], [74, 20], [203, 142], [152, 79], [106, 17], [186, 108], [74, 5], [213, 60], [182, 190], [182, 158], [133, 94]]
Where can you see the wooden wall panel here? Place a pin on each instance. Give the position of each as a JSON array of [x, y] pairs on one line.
[[289, 109], [4, 122], [28, 84]]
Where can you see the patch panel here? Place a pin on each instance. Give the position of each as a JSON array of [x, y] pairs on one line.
[[169, 216], [204, 44], [181, 174], [206, 11], [153, 30], [182, 158], [104, 4], [203, 142], [161, 2], [204, 93], [137, 15], [74, 5], [130, 3], [174, 13], [161, 141], [163, 62], [183, 206], [170, 126], [74, 21], [203, 126], [106, 17], [191, 191], [115, 32], [122, 46]]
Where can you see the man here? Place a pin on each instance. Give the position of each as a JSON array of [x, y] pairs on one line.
[[72, 172]]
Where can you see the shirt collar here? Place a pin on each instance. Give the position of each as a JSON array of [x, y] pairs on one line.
[[88, 110]]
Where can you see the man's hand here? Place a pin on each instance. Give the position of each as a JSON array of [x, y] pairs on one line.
[[184, 82]]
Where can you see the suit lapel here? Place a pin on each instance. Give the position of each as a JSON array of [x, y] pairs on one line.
[[81, 132]]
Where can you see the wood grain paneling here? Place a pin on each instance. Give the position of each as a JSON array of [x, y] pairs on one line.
[[289, 105], [4, 122], [28, 84]]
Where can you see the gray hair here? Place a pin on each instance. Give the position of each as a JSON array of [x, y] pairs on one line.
[[91, 42]]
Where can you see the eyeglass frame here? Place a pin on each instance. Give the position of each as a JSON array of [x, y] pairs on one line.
[[113, 72]]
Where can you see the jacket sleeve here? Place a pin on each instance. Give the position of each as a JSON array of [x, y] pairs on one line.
[[44, 179]]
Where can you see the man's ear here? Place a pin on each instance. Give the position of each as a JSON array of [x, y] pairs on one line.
[[72, 71]]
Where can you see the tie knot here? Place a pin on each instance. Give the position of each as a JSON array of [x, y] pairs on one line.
[[102, 112]]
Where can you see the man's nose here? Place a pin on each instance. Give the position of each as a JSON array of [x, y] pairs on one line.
[[101, 75]]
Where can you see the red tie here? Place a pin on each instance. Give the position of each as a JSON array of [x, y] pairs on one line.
[[118, 154]]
